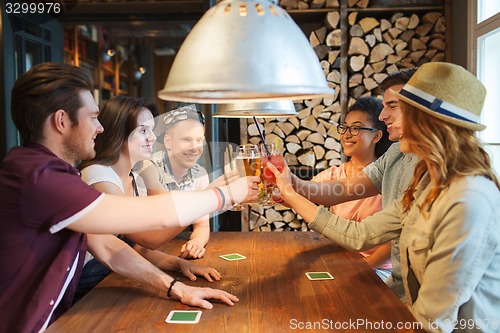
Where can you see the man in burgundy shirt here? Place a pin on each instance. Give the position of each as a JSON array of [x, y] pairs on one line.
[[45, 208]]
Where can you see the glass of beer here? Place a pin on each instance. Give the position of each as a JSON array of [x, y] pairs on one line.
[[271, 153], [248, 161]]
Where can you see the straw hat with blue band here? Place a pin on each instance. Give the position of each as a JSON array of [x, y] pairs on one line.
[[448, 92]]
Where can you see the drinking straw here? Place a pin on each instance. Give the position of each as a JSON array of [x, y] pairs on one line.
[[261, 136], [230, 154]]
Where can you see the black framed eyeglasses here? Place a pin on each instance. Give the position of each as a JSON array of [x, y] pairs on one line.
[[353, 130]]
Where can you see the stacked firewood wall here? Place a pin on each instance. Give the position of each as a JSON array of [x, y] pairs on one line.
[[377, 47]]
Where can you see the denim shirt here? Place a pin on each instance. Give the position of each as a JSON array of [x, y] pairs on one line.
[[453, 250]]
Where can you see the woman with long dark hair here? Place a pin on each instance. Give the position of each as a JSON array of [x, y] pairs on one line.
[[128, 138], [364, 138]]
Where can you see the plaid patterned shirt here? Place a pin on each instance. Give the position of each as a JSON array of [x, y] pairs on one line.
[[189, 182]]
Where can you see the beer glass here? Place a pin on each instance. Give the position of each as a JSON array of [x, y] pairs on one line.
[[246, 160]]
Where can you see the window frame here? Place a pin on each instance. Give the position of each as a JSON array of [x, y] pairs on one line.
[[475, 32]]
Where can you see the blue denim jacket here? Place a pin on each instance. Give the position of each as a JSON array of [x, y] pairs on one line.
[[453, 250]]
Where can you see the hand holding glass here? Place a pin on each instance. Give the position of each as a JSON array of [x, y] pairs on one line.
[[246, 160], [273, 154]]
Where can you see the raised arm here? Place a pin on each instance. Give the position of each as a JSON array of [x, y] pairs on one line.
[[330, 193], [201, 227], [379, 228], [114, 214]]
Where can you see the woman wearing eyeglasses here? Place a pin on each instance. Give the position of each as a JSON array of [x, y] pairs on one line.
[[175, 168], [364, 138]]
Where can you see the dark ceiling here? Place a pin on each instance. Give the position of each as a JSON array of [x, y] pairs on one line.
[[106, 10], [161, 23], [153, 23]]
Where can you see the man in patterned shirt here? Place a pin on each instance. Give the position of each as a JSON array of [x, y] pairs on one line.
[[175, 168]]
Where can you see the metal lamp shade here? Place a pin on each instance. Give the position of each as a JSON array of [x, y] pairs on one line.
[[245, 50], [273, 109]]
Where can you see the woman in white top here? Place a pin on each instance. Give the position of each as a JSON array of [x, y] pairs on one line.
[[128, 139]]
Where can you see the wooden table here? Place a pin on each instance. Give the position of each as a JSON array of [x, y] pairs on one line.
[[274, 293]]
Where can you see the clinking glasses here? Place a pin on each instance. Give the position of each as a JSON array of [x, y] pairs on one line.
[[353, 130]]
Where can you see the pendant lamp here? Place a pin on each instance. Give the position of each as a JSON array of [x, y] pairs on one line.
[[245, 50], [272, 109]]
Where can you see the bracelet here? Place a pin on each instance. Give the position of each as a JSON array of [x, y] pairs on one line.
[[223, 204], [220, 197], [169, 291]]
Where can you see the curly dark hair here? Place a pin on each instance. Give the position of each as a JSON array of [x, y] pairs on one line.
[[372, 107]]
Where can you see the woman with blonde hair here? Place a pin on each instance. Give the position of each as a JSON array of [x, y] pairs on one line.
[[448, 220]]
